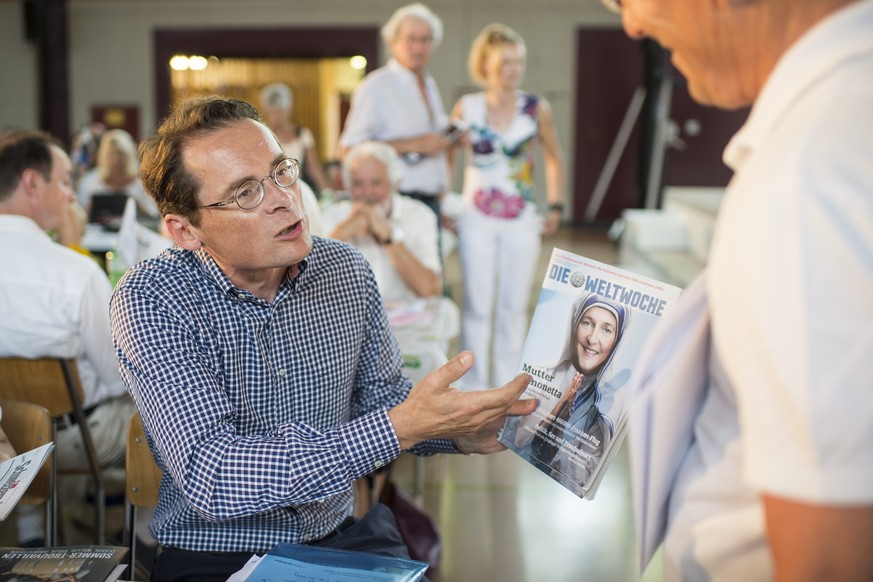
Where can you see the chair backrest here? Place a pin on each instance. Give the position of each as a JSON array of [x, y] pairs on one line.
[[143, 474], [48, 382], [29, 426]]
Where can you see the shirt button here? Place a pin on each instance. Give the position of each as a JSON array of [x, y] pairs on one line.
[[240, 295], [378, 464], [281, 371], [306, 538]]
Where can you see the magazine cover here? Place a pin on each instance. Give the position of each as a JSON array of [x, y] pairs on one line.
[[17, 473], [75, 563], [589, 326], [300, 563]]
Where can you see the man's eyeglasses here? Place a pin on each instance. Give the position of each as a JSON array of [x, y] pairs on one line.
[[411, 40], [612, 5], [250, 193]]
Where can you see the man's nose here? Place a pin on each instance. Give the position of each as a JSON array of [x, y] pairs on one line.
[[631, 24], [278, 197]]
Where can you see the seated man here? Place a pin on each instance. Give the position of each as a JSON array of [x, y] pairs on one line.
[[54, 302], [396, 234], [262, 362]]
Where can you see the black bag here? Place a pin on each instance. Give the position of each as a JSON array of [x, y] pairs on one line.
[[418, 530]]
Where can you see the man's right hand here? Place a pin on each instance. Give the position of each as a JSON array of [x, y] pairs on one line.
[[435, 409]]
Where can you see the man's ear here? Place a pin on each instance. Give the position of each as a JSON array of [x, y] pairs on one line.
[[30, 180], [182, 232]]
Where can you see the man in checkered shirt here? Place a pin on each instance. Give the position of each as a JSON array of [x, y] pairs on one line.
[[262, 362]]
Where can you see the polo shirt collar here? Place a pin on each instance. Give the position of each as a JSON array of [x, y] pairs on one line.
[[839, 37]]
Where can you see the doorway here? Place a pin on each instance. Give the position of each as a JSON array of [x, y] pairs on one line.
[[313, 61]]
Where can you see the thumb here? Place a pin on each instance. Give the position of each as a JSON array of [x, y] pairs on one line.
[[451, 371]]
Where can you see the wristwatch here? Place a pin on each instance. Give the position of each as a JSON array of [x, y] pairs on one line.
[[395, 237]]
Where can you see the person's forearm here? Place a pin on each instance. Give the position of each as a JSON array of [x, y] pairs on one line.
[[422, 281], [554, 182], [406, 145], [819, 542]]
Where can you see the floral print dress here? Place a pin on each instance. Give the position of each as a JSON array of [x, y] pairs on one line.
[[498, 182]]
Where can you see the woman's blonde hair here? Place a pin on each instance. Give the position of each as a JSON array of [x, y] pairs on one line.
[[493, 36], [125, 144]]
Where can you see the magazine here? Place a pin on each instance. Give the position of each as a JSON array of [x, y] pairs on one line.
[[588, 328], [17, 473], [302, 563], [74, 563]]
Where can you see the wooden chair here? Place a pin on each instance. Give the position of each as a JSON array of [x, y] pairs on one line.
[[143, 479], [54, 384], [29, 426]]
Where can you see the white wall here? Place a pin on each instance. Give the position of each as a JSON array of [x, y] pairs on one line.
[[111, 46], [18, 71]]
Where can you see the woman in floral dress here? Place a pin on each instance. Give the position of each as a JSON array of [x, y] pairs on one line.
[[501, 225]]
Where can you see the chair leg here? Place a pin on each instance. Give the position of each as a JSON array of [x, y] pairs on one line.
[[100, 512], [51, 509], [130, 535], [91, 452]]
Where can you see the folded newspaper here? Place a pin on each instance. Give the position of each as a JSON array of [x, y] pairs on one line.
[[588, 329], [17, 473]]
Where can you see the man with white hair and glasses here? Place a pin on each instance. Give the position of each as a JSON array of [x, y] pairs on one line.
[[400, 104]]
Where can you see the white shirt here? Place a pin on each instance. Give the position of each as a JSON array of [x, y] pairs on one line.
[[387, 105], [54, 302], [311, 208], [789, 408], [418, 223]]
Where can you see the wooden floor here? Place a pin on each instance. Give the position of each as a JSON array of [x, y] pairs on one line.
[[501, 519]]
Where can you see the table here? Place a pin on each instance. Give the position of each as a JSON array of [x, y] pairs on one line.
[[424, 328]]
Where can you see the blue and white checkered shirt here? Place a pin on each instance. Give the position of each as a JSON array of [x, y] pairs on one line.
[[260, 414]]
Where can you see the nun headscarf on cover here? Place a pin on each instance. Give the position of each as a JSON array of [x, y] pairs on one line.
[[622, 318]]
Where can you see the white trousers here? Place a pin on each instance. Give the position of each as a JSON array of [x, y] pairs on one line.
[[498, 262]]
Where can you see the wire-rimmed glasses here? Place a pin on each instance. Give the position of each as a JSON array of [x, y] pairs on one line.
[[250, 193]]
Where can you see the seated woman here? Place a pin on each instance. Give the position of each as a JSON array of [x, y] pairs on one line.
[[397, 235]]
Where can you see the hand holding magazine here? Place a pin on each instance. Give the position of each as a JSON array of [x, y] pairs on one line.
[[589, 326]]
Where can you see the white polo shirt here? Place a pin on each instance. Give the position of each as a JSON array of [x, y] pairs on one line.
[[418, 224], [789, 411]]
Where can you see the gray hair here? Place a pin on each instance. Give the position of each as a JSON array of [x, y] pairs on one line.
[[379, 151], [277, 95], [418, 11]]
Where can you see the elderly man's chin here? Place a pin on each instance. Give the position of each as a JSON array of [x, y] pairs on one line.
[[717, 90]]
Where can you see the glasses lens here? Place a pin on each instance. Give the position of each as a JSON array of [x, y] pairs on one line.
[[249, 194], [286, 172], [612, 5]]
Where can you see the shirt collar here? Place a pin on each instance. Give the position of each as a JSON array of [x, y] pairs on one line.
[[17, 223], [840, 36], [214, 272], [393, 65]]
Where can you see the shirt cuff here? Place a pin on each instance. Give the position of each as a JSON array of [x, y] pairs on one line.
[[370, 443]]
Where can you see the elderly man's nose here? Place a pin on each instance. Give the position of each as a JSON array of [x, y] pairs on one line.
[[632, 26]]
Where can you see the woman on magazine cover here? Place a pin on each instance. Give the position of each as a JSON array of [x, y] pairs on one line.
[[597, 327]]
